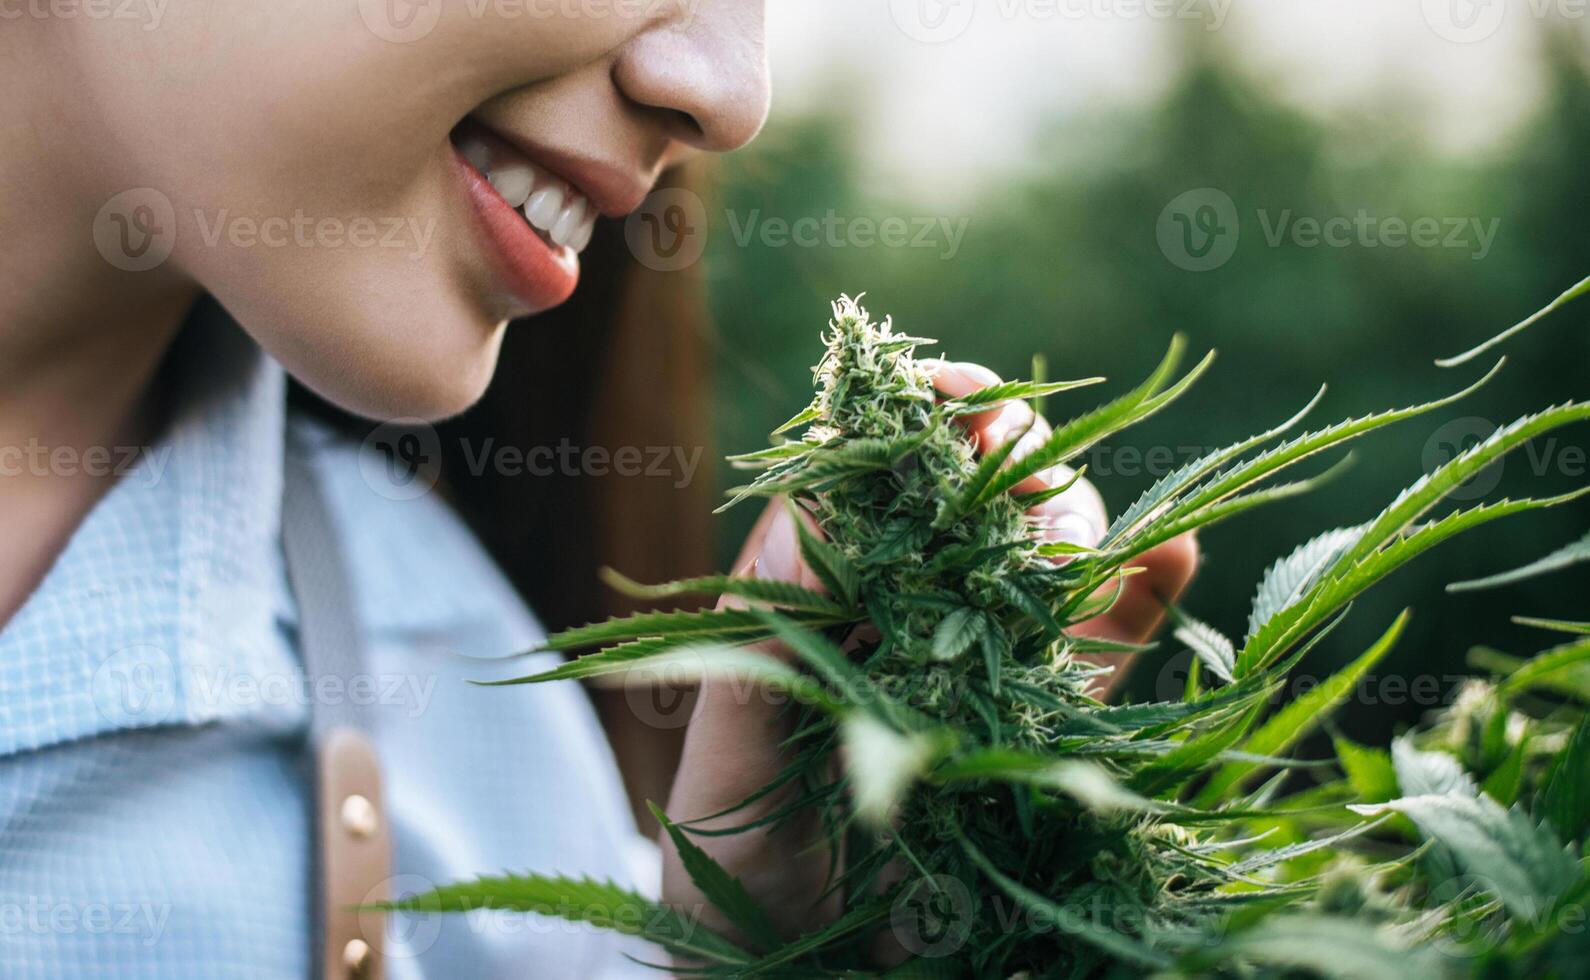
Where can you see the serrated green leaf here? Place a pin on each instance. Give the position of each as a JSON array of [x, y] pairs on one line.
[[1212, 647], [1566, 800], [984, 399], [828, 562], [1568, 295], [716, 624], [785, 595], [810, 413], [1504, 783], [1168, 487], [726, 892], [1302, 716], [1324, 946], [1068, 441], [975, 490], [1286, 580], [599, 903], [1423, 773], [1417, 500], [1556, 660], [1504, 852], [995, 646], [1152, 536], [1345, 581], [1562, 558], [956, 633], [1555, 625], [1072, 922], [1369, 771]]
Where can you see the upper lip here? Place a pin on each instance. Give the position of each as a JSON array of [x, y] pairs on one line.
[[614, 190]]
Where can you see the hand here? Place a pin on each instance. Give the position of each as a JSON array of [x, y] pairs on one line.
[[732, 748], [1077, 516]]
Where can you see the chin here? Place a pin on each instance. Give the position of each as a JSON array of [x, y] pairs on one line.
[[403, 373], [430, 389]]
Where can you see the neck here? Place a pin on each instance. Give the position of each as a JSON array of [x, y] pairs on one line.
[[80, 338]]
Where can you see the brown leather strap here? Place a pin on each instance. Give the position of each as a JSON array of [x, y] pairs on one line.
[[352, 845], [355, 854]]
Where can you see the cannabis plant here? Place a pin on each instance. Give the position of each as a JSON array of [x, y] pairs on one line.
[[1001, 820]]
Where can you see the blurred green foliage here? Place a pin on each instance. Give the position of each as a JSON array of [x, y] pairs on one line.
[[1063, 260]]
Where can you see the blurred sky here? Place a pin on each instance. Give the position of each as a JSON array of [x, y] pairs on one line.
[[949, 90]]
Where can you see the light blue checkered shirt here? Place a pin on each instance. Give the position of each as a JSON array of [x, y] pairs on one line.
[[153, 789]]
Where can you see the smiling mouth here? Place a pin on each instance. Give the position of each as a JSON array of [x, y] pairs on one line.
[[560, 215]]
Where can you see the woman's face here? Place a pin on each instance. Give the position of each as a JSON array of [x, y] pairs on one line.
[[315, 154]]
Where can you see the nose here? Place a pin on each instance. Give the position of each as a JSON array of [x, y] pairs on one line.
[[704, 71]]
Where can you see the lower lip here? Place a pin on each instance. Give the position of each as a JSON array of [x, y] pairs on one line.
[[536, 275]]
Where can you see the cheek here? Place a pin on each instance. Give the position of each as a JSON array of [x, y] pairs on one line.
[[307, 163], [386, 353]]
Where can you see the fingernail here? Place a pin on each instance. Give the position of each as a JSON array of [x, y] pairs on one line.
[[973, 371], [780, 558], [1072, 528]]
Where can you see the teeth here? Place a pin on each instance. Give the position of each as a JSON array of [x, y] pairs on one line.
[[569, 221], [582, 235], [563, 216], [514, 181], [544, 206]]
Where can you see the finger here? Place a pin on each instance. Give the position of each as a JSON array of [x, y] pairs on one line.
[[1167, 571], [1013, 420], [958, 379], [773, 552], [1077, 516], [754, 540]]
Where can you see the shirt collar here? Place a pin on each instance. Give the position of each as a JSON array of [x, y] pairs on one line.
[[173, 586]]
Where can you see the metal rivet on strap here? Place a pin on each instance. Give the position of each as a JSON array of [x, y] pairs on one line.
[[359, 816], [357, 957]]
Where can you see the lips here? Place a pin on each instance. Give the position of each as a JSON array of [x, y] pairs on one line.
[[535, 222]]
